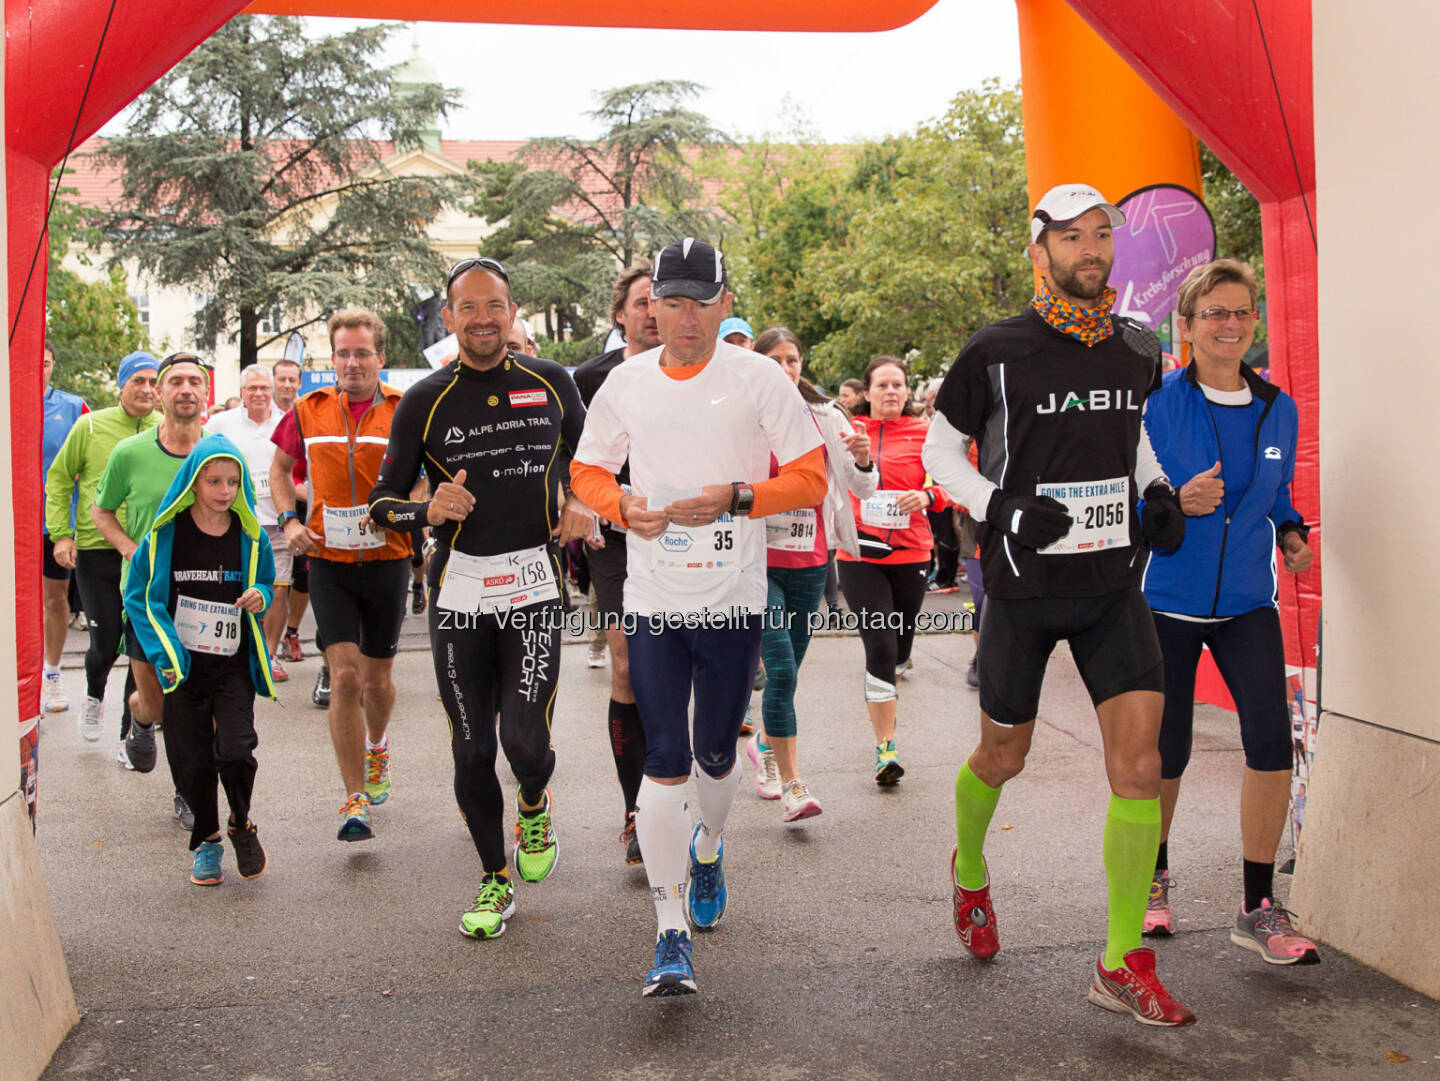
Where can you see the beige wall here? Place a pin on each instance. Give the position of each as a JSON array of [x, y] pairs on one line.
[[1371, 836]]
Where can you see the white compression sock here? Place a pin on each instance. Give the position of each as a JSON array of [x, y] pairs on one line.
[[51, 670], [662, 825], [716, 797]]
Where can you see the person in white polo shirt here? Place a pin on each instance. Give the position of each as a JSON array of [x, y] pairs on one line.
[[250, 428], [699, 420]]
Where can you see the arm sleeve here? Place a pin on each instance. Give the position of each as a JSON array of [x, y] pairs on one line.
[[946, 458], [598, 489], [800, 483], [390, 504], [60, 481], [1147, 466]]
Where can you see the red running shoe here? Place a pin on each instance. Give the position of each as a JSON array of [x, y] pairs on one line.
[[1134, 988], [975, 917]]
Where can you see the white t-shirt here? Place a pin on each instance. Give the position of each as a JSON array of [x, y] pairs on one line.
[[716, 427], [254, 442]]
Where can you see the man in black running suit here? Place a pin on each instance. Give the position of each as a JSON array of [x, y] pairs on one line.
[[495, 431]]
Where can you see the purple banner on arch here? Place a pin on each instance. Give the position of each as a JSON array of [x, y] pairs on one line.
[[1167, 232]]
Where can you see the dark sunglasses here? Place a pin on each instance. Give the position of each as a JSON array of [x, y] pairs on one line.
[[476, 262]]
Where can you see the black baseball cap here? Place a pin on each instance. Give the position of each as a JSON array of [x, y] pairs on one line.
[[689, 268]]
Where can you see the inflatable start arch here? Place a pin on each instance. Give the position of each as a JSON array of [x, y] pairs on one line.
[[73, 64]]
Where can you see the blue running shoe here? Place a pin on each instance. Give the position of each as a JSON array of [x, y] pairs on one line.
[[705, 899], [355, 824], [206, 871], [673, 973]]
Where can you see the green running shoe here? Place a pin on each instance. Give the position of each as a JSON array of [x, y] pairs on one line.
[[494, 904], [536, 848], [377, 774], [888, 769]]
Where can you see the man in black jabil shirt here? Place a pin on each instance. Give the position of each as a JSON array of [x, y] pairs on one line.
[[1054, 398]]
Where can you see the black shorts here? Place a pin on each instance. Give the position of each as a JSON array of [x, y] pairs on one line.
[[133, 649], [1249, 651], [1112, 638], [48, 567], [362, 603], [607, 575]]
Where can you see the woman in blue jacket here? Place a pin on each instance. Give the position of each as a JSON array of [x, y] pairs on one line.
[[1233, 435]]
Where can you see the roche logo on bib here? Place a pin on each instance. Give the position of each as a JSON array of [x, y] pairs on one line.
[[454, 435], [675, 542], [520, 398]]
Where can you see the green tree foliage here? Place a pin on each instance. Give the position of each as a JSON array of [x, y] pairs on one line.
[[938, 252], [574, 211], [91, 324], [1235, 210], [250, 174]]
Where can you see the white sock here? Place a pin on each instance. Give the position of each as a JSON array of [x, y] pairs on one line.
[[51, 670], [662, 825], [716, 797], [384, 743]]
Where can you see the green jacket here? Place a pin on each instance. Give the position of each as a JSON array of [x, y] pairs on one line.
[[82, 459]]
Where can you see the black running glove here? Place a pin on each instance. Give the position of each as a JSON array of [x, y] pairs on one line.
[[1162, 521], [1033, 520]]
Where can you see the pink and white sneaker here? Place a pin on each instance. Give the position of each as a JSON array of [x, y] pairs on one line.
[[1159, 920], [1269, 933], [796, 802], [767, 770]]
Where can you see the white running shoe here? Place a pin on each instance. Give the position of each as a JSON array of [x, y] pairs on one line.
[[796, 802], [596, 657], [767, 772], [53, 694], [123, 756], [92, 720]]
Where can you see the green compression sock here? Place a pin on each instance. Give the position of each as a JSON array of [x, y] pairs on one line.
[[974, 807], [1132, 836]]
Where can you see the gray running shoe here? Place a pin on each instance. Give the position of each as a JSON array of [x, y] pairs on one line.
[[183, 814], [140, 747], [91, 721]]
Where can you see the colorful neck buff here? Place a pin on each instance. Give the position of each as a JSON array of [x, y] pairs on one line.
[[1089, 326]]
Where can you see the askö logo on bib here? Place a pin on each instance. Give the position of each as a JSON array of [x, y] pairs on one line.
[[676, 542]]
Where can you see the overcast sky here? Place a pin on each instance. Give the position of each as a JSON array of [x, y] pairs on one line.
[[844, 85]]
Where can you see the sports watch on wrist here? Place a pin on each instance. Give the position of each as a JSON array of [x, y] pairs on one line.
[[742, 498], [286, 516]]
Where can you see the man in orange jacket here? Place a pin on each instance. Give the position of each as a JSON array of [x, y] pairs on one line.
[[358, 574]]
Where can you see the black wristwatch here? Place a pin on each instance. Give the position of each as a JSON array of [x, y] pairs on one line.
[[742, 498]]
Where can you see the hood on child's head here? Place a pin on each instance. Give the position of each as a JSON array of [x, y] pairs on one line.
[[181, 493]]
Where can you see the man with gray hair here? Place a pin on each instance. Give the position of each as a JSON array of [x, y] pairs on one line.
[[250, 428]]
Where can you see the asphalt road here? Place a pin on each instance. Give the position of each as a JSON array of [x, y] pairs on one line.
[[836, 958]]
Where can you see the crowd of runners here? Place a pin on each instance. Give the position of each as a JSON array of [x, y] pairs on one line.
[[712, 498]]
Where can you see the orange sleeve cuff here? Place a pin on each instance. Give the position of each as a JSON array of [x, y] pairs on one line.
[[800, 483], [598, 489]]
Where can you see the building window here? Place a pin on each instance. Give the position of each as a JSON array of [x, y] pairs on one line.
[[142, 307], [272, 321]]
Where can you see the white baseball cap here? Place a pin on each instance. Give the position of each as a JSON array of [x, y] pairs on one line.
[[1063, 203]]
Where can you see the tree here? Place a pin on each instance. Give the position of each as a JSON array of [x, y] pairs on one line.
[[251, 173], [91, 324], [574, 211], [940, 250]]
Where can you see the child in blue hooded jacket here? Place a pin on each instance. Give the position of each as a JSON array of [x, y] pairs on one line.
[[199, 583]]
